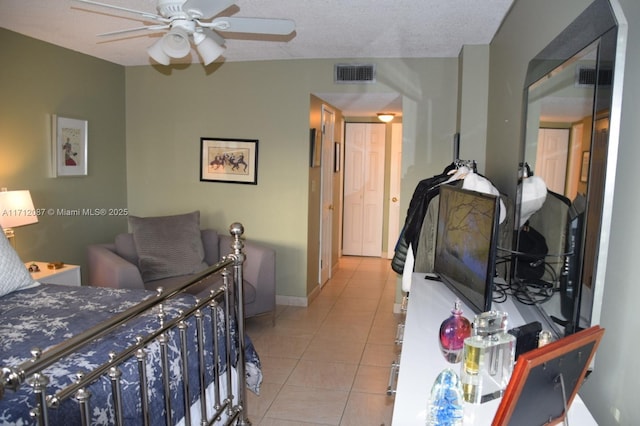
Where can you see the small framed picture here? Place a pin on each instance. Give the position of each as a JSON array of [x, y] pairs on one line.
[[545, 380], [229, 160], [68, 146]]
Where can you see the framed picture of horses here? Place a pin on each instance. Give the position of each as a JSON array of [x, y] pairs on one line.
[[229, 160]]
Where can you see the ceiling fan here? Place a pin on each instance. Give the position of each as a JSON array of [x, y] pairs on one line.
[[195, 20]]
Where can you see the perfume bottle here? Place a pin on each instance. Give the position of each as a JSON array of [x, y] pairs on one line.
[[544, 338], [453, 331], [488, 358], [445, 403]]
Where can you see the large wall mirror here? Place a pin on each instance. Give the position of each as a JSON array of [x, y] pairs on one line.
[[570, 143]]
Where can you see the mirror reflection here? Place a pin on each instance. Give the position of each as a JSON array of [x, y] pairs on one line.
[[558, 155], [561, 189], [560, 108]]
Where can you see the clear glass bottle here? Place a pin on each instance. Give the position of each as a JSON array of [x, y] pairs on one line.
[[488, 358], [445, 403], [453, 331]]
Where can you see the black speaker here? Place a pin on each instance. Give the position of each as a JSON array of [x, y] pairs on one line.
[[526, 337]]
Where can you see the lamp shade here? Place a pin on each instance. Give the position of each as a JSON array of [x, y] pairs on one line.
[[16, 209], [176, 43], [208, 49], [156, 53]]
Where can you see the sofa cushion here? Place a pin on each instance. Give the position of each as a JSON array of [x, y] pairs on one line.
[[126, 247], [211, 246], [168, 246], [13, 274]]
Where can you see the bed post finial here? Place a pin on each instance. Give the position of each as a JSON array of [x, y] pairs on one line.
[[236, 228]]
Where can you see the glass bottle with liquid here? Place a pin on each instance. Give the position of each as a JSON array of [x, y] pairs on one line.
[[453, 331], [487, 359]]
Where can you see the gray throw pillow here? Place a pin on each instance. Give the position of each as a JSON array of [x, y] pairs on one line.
[[168, 246]]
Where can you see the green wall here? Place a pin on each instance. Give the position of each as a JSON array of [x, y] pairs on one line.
[[37, 80], [473, 91], [163, 113], [168, 112]]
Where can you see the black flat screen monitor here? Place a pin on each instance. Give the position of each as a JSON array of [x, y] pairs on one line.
[[466, 244]]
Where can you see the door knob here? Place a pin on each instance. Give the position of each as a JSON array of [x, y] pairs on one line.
[[394, 199]]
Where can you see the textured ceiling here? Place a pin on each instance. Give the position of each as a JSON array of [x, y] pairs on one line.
[[324, 28]]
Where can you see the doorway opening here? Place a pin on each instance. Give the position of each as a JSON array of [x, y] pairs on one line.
[[329, 227]]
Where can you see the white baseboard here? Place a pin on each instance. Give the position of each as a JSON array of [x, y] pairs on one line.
[[298, 301], [292, 301]]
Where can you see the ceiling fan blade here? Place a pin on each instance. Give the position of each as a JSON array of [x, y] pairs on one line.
[[136, 12], [215, 36], [253, 25], [130, 30], [208, 8]]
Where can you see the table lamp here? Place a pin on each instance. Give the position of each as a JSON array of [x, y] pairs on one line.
[[16, 209]]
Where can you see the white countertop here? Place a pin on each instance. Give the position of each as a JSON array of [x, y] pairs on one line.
[[430, 302]]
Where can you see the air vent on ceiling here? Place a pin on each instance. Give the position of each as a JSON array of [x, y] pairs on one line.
[[586, 77], [354, 73]]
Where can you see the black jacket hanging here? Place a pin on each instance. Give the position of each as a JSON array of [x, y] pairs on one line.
[[410, 233]]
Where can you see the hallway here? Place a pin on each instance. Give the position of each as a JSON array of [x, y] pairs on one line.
[[328, 364]]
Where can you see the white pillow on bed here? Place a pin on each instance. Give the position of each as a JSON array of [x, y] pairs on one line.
[[13, 274]]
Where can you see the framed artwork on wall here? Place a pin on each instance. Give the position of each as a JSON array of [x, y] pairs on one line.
[[229, 160], [68, 146]]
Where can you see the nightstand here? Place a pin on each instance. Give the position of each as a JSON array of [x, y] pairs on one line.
[[67, 275]]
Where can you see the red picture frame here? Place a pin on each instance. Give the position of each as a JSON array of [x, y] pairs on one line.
[[545, 380]]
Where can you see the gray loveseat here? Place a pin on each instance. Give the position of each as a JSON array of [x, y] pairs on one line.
[[116, 265]]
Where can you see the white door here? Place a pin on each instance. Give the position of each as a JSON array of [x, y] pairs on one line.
[[551, 158], [363, 189], [326, 215], [395, 177], [574, 161]]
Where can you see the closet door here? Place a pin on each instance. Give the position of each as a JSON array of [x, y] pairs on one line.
[[363, 189], [551, 158]]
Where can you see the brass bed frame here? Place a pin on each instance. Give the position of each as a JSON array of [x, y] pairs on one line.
[[217, 407]]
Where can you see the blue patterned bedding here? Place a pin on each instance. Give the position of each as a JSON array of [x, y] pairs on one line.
[[48, 314]]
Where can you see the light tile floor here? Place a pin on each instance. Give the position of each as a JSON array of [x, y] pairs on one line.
[[328, 364]]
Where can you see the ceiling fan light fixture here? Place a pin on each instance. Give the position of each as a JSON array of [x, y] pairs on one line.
[[186, 18], [207, 48], [176, 43], [156, 52], [386, 117]]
